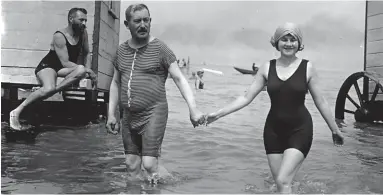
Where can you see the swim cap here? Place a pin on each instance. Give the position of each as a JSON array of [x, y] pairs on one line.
[[287, 28]]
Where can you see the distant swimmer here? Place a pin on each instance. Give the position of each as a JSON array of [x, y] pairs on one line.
[[193, 77], [254, 67], [199, 81], [288, 131]]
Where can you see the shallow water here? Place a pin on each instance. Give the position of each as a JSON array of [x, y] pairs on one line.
[[225, 157]]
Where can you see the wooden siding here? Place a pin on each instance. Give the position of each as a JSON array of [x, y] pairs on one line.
[[28, 27], [374, 43], [374, 33], [109, 28]]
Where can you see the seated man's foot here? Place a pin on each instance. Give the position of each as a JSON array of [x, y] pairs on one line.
[[14, 122]]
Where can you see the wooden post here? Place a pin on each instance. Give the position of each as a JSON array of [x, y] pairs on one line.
[[13, 93], [91, 95], [106, 97]]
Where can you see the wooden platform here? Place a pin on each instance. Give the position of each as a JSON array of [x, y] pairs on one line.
[[29, 81]]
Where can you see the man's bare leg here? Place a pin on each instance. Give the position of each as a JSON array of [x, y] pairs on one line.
[[133, 165], [47, 78], [150, 164], [71, 75]]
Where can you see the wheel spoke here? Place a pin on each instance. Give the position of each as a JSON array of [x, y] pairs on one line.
[[352, 101], [358, 93], [376, 90], [349, 111]]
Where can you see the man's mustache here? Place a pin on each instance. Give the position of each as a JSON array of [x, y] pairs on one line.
[[80, 26], [142, 30]]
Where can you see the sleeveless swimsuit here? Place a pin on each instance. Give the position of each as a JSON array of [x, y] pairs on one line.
[[288, 124], [201, 84], [51, 60]]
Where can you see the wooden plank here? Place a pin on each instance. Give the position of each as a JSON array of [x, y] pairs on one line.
[[109, 34], [19, 79], [375, 47], [37, 36], [29, 40], [24, 27], [27, 76], [32, 80], [371, 87], [23, 7], [108, 18], [96, 37], [105, 66], [106, 49], [29, 71], [377, 71], [375, 34], [32, 22], [378, 97], [116, 8], [103, 82], [374, 60], [374, 7], [375, 21], [21, 58], [48, 6], [107, 45]]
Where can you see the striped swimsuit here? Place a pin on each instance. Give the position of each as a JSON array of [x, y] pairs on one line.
[[143, 96]]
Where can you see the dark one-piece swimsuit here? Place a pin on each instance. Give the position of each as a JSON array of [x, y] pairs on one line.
[[288, 124], [51, 60]]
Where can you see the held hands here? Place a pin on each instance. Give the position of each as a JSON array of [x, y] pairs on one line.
[[197, 118], [112, 125]]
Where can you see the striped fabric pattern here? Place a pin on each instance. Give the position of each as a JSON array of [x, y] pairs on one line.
[[146, 79]]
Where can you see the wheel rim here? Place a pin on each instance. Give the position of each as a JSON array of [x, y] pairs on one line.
[[354, 95]]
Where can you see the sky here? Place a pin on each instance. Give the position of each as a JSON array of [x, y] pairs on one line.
[[237, 33]]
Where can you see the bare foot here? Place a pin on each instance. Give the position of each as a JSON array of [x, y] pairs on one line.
[[153, 179], [15, 124]]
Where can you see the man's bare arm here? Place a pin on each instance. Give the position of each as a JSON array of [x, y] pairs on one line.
[[86, 51], [59, 44]]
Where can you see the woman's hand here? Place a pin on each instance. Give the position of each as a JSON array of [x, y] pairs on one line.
[[337, 138]]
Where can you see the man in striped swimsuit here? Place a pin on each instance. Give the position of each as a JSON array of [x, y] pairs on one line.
[[142, 64]]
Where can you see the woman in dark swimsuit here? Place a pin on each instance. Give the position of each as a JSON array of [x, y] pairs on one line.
[[288, 130]]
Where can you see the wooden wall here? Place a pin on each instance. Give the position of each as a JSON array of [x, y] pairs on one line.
[[374, 41], [108, 40], [29, 26]]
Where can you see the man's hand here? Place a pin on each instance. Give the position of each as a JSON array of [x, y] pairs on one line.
[[197, 118], [112, 126], [92, 76]]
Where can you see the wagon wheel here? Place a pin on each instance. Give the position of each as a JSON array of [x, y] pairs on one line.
[[360, 101]]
